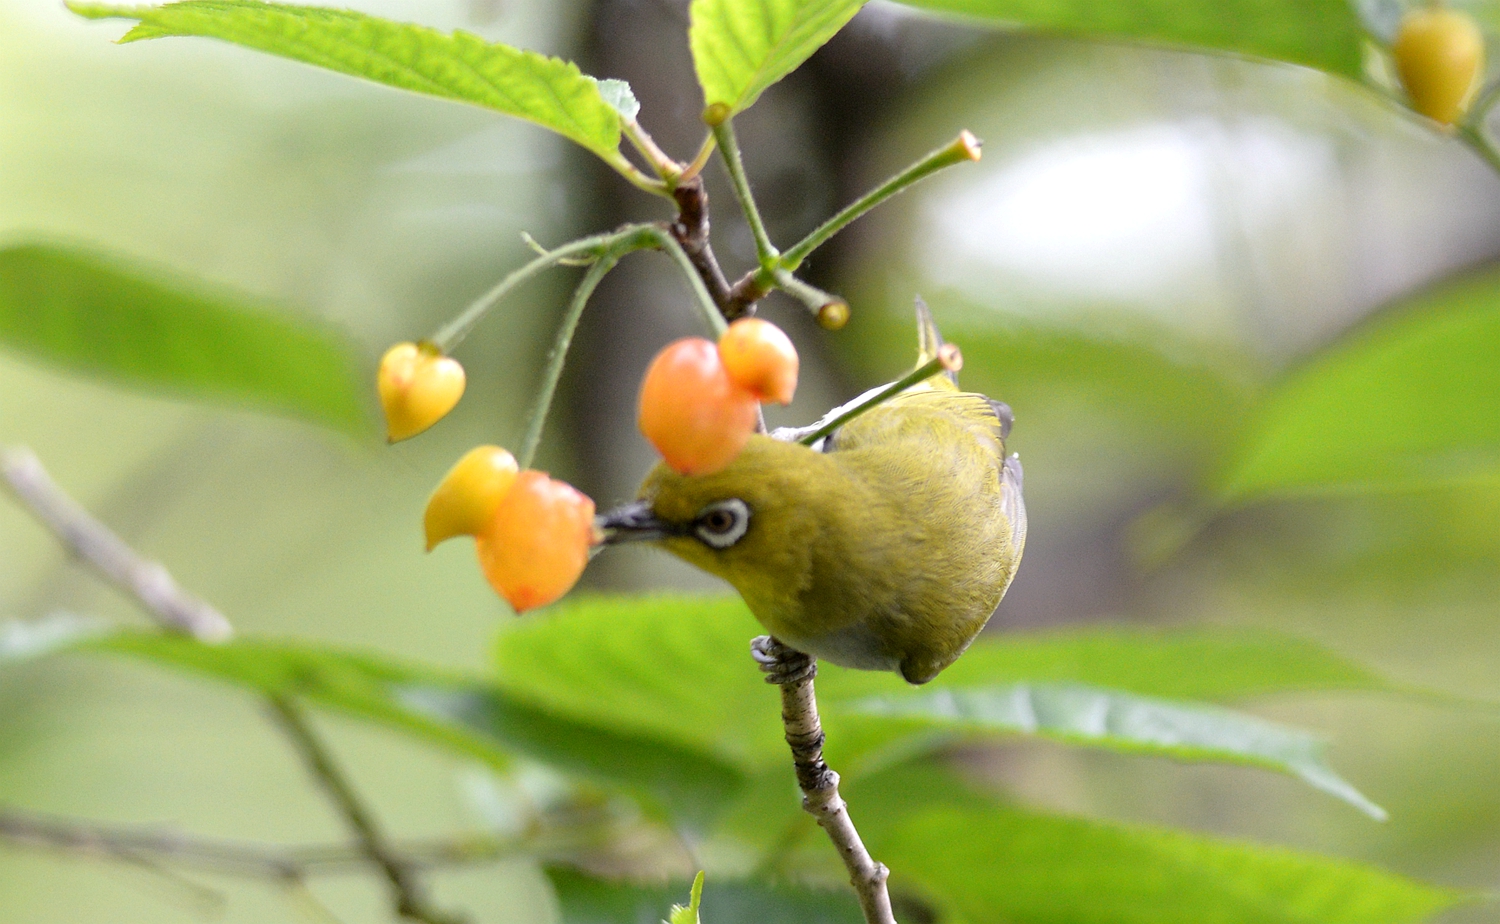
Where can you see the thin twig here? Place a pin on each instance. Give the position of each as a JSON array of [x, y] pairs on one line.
[[452, 333], [691, 232], [793, 672], [875, 397], [406, 890], [234, 858], [148, 581]]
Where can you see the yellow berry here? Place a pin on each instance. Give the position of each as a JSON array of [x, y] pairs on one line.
[[469, 494], [536, 544], [760, 358], [418, 387], [1440, 56]]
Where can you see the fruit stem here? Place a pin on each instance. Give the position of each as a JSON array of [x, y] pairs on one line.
[[700, 160], [668, 169], [963, 148], [559, 352], [814, 298], [944, 361], [701, 296], [451, 334], [730, 149]]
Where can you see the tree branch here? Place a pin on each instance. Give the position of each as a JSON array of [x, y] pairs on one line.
[[406, 890], [93, 542], [691, 232], [793, 672]]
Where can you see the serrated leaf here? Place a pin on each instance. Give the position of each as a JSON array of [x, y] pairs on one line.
[[1408, 401], [1005, 866], [619, 95], [741, 47], [583, 899], [1324, 34], [141, 326], [1119, 721], [459, 66], [678, 669], [461, 714]]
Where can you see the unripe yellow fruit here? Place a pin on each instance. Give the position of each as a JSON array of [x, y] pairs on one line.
[[418, 387], [469, 494], [1440, 57]]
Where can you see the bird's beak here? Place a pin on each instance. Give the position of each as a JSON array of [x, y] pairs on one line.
[[633, 522]]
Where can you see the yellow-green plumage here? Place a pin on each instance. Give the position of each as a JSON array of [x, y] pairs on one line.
[[886, 550]]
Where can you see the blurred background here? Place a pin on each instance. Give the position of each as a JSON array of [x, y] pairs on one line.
[[1149, 240]]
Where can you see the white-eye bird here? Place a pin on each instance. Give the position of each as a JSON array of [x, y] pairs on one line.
[[884, 546]]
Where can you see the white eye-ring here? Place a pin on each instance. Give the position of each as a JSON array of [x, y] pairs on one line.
[[722, 523]]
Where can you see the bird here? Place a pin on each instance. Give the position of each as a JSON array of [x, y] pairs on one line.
[[885, 545]]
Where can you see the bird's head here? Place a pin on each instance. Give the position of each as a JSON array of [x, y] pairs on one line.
[[752, 523]]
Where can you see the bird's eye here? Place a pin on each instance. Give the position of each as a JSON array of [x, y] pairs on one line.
[[723, 523]]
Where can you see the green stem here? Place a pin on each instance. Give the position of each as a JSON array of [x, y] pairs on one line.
[[559, 353], [700, 160], [453, 333], [702, 298], [729, 147], [921, 374], [964, 147], [667, 168], [820, 303]]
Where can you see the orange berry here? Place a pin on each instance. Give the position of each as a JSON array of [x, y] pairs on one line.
[[418, 387], [760, 359], [467, 496], [1440, 56], [536, 544], [691, 411]]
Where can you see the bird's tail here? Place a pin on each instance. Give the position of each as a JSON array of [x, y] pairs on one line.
[[929, 341]]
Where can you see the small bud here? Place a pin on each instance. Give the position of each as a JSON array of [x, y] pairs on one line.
[[833, 315], [968, 145], [418, 387], [715, 114], [469, 494]]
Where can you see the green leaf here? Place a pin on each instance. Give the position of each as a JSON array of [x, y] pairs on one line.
[[584, 899], [678, 669], [136, 325], [1004, 866], [689, 914], [458, 713], [1132, 724], [551, 92], [1195, 663], [1408, 401], [741, 47], [1324, 34]]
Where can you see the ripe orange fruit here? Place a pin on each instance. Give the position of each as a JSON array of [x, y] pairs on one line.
[[760, 358], [691, 411], [535, 546]]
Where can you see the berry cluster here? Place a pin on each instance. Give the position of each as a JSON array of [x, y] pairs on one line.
[[699, 404], [700, 401]]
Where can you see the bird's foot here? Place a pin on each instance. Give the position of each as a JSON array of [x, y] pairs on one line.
[[782, 665]]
